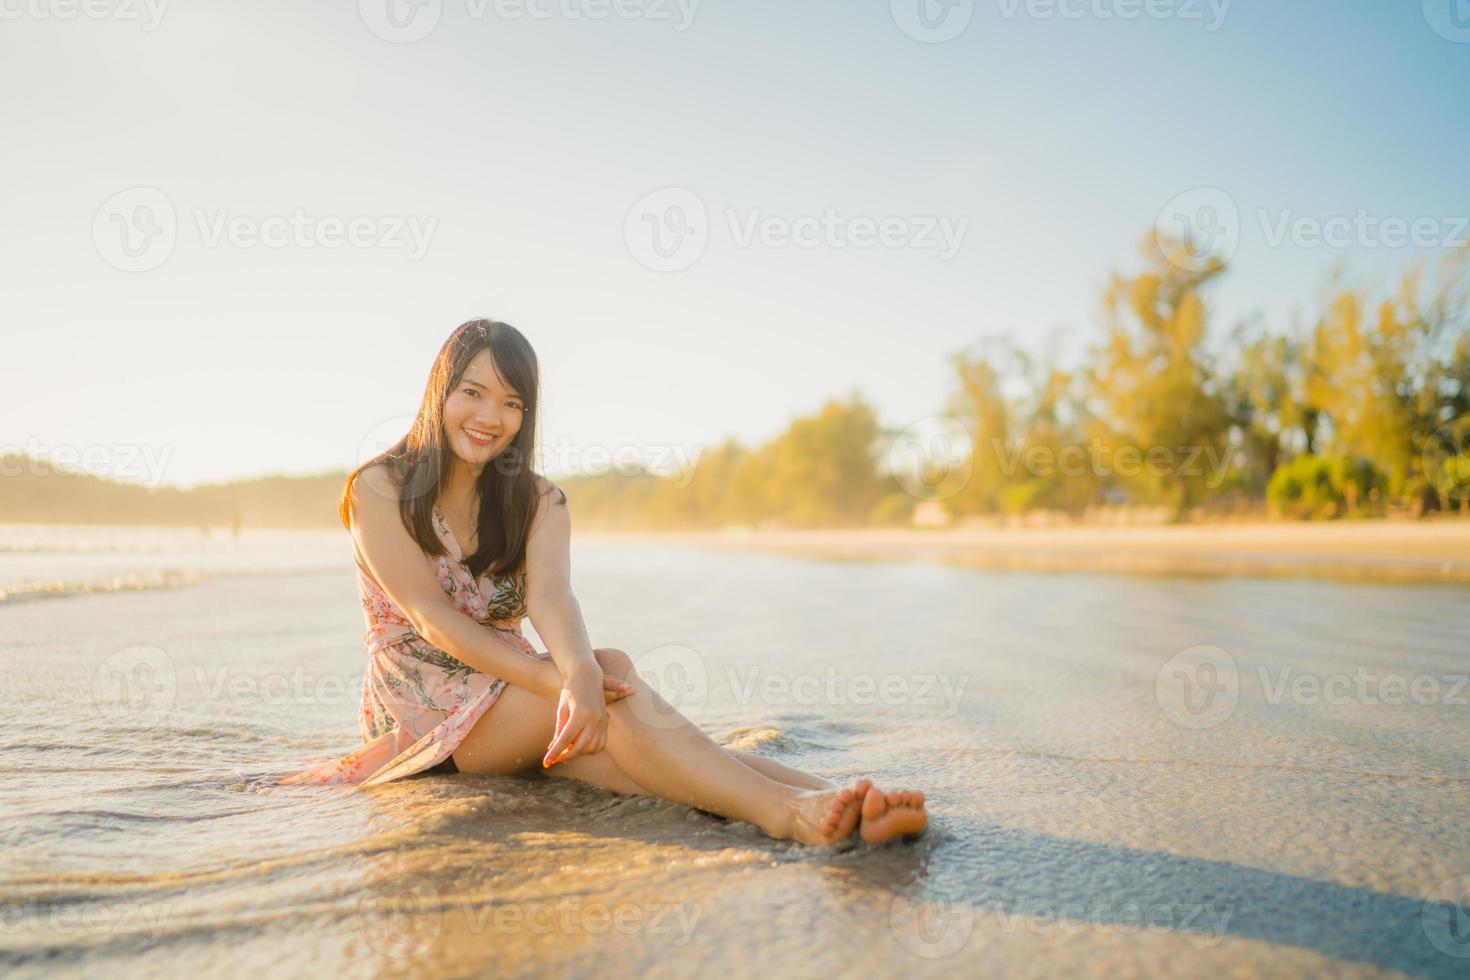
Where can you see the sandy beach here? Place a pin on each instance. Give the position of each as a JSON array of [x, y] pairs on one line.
[[1370, 550], [1090, 816]]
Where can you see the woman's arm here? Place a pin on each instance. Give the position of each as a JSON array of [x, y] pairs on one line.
[[550, 603], [399, 565], [581, 717]]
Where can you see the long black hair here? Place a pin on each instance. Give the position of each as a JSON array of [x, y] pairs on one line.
[[420, 462]]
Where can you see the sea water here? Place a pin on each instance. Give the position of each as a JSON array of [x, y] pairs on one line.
[[1125, 774]]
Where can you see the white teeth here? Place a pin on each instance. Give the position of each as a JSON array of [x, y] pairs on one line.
[[479, 435]]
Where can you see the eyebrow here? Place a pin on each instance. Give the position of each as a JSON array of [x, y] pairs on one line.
[[478, 385]]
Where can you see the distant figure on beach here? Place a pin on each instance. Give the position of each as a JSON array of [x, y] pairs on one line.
[[456, 539]]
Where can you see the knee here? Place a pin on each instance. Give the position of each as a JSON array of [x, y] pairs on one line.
[[614, 661]]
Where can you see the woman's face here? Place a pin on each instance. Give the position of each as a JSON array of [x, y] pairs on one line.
[[481, 415]]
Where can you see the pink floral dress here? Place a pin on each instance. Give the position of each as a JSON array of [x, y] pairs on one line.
[[418, 701]]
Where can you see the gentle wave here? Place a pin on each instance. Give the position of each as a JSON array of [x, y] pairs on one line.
[[751, 736], [154, 539], [164, 579], [11, 592]]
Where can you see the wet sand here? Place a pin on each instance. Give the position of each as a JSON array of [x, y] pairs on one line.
[[1093, 813], [1369, 550]]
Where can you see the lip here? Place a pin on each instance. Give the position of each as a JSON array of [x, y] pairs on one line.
[[475, 441]]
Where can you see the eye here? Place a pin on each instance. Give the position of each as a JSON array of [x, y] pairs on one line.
[[471, 391], [516, 406]]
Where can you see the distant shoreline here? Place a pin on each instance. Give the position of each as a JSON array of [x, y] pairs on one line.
[[1435, 550], [1389, 550]]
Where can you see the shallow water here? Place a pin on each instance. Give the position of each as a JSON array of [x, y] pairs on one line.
[[1300, 807]]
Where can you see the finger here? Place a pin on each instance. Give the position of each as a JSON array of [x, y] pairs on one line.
[[566, 753], [579, 744], [593, 738], [574, 747], [574, 735], [557, 746], [564, 713]]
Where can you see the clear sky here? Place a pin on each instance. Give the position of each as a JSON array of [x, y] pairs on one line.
[[519, 147]]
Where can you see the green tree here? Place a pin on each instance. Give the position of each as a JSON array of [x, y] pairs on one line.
[[1151, 380], [1265, 397], [823, 468], [1385, 376], [979, 404]]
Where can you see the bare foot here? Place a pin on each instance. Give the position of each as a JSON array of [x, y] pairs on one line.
[[826, 816], [892, 814]]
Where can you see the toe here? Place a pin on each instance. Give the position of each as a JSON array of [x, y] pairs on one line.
[[874, 804], [847, 819], [833, 817]]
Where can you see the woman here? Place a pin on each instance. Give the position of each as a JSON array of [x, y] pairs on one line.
[[456, 539]]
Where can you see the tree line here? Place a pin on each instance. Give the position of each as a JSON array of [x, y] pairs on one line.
[[1359, 406]]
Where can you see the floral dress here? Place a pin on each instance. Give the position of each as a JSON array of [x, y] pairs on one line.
[[418, 701]]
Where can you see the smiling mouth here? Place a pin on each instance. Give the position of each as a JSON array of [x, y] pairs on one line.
[[477, 440]]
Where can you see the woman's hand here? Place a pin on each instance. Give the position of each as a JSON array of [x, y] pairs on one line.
[[614, 689], [581, 714], [549, 686]]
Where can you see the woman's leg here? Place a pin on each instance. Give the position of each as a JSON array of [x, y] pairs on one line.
[[618, 664], [601, 770], [781, 773], [672, 759], [884, 816]]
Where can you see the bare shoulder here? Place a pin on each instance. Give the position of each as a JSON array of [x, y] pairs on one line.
[[546, 489], [375, 489], [549, 500]]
